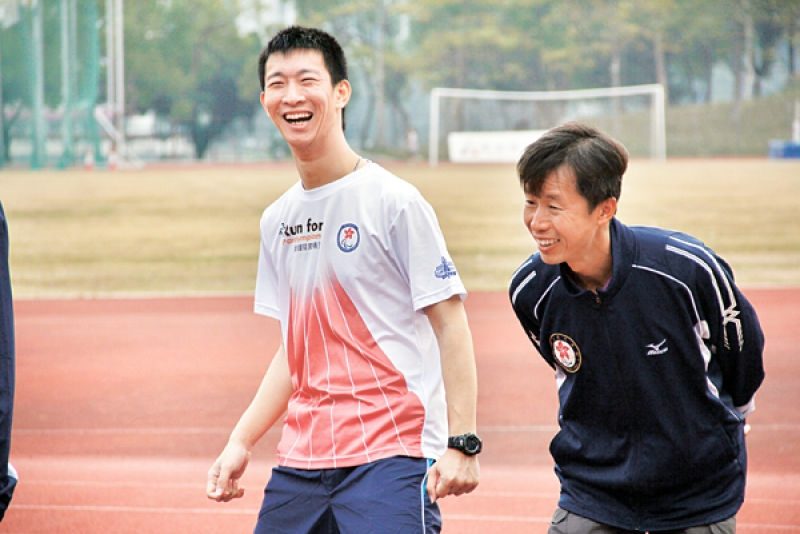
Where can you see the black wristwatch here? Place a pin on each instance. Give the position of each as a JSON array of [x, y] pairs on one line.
[[469, 444]]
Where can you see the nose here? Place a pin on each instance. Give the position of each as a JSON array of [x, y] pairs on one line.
[[536, 219], [293, 94]]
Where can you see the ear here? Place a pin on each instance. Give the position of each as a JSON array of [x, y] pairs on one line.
[[262, 99], [342, 93], [606, 210]]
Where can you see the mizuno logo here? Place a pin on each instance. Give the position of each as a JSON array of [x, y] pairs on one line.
[[657, 348]]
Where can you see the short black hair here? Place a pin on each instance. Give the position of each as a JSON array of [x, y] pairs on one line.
[[301, 38], [597, 160]]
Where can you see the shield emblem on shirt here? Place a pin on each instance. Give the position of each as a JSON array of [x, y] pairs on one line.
[[565, 352]]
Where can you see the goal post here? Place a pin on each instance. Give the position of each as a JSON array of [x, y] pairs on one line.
[[609, 106]]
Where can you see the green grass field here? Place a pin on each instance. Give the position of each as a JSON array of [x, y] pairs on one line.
[[193, 230]]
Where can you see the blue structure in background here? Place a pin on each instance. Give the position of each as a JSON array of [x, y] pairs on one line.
[[784, 149], [788, 149]]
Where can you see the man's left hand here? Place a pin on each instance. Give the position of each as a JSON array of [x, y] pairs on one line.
[[454, 473]]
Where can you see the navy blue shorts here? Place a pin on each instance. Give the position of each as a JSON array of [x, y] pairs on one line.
[[380, 497]]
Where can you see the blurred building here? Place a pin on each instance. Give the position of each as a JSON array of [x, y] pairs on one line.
[[258, 16]]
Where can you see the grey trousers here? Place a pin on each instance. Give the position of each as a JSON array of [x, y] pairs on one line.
[[564, 522]]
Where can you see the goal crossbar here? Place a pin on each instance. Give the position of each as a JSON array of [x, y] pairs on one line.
[[656, 91]]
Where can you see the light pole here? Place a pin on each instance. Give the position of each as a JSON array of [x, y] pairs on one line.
[[120, 78], [115, 74], [67, 54], [39, 130]]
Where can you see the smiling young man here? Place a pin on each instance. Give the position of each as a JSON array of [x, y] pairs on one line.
[[375, 371], [657, 353]]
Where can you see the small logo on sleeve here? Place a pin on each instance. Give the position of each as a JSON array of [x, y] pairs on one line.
[[566, 352], [348, 237], [446, 269]]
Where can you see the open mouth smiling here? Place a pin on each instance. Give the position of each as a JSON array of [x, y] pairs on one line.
[[546, 242], [298, 118]]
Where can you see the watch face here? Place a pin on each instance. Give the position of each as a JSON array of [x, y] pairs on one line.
[[472, 444], [469, 444]]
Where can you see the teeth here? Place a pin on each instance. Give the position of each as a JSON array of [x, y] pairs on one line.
[[297, 116], [546, 242]]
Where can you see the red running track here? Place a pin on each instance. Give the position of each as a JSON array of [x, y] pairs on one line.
[[122, 405]]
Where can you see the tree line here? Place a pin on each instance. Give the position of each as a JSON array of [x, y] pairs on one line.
[[187, 60]]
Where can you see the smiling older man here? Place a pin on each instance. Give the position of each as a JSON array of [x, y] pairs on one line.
[[657, 353]]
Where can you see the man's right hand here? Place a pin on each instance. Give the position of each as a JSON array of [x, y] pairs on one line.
[[224, 475]]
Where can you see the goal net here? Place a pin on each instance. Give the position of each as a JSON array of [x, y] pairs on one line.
[[470, 125]]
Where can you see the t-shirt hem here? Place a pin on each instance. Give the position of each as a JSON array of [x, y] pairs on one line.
[[348, 461]]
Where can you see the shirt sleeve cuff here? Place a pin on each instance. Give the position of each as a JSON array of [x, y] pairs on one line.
[[748, 408], [442, 295], [267, 310]]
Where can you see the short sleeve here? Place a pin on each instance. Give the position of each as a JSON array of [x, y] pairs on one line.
[[422, 255], [267, 296]]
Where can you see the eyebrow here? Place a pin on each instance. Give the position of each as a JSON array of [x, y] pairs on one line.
[[301, 72], [544, 197]]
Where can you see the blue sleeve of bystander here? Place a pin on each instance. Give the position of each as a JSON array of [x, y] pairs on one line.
[[8, 479]]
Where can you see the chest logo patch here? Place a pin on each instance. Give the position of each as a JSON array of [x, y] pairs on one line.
[[348, 237], [566, 352]]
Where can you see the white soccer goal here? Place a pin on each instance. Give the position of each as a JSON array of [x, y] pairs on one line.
[[485, 126], [9, 13]]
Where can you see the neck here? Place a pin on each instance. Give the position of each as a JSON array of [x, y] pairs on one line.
[[595, 270], [595, 282], [320, 167]]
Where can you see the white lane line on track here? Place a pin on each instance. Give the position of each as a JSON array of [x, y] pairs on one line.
[[546, 520], [777, 427], [194, 486], [121, 431], [189, 485], [243, 511], [782, 427], [495, 518], [252, 511], [761, 528], [518, 429], [99, 483], [134, 509], [478, 493]]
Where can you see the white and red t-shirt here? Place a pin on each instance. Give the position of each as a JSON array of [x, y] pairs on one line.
[[347, 268]]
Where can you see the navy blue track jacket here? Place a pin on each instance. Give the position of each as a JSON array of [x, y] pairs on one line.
[[655, 376], [7, 371]]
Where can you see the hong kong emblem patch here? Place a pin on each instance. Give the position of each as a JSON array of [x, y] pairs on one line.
[[348, 237], [566, 352]]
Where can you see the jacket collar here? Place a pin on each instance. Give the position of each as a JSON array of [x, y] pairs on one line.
[[623, 252]]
